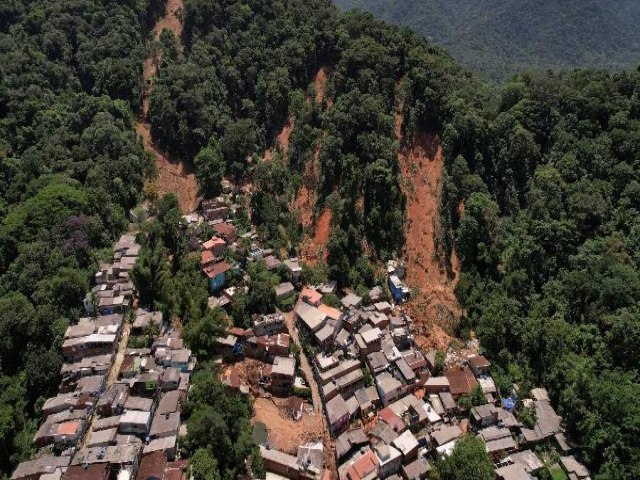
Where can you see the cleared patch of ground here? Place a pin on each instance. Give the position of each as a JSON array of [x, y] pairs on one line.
[[282, 141], [314, 248], [320, 83], [433, 305], [286, 434]]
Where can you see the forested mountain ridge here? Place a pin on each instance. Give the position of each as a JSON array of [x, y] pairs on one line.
[[545, 168], [503, 37]]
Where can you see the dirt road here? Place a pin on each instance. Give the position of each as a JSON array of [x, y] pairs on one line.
[[305, 365], [122, 347]]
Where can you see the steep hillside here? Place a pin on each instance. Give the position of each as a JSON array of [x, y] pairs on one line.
[[173, 175], [501, 37]]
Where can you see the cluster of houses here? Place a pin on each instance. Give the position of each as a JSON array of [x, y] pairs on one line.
[[117, 412], [390, 408]]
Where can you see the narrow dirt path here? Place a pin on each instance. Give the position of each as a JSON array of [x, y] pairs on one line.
[[434, 305], [173, 175], [122, 347], [112, 376], [305, 366]]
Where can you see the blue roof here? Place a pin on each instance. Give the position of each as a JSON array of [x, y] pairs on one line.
[[508, 403]]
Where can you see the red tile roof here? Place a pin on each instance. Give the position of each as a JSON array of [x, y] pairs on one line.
[[216, 269], [362, 467], [152, 466], [68, 428], [390, 418], [206, 256], [461, 380], [311, 295], [209, 244], [224, 229]]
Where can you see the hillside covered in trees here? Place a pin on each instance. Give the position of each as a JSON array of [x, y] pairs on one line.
[[503, 37], [539, 199], [70, 166]]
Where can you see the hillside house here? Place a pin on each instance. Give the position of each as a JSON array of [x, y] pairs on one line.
[[311, 318], [351, 300], [461, 381], [294, 267], [337, 414], [216, 274], [311, 296], [282, 375], [284, 290], [135, 422], [226, 231], [389, 388], [399, 291], [216, 246], [479, 365]]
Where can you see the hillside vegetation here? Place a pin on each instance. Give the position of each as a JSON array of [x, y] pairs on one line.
[[502, 37], [540, 196], [70, 167]]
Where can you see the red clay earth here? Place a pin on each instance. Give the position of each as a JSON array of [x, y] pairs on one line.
[[173, 175], [433, 305]]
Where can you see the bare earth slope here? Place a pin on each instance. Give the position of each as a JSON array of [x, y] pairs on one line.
[[173, 175], [433, 305]]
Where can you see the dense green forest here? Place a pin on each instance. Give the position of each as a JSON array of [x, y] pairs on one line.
[[503, 37], [549, 177], [70, 166], [545, 166]]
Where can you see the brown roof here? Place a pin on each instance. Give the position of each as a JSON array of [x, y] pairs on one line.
[[478, 361], [152, 466], [209, 244], [216, 269], [175, 470], [224, 228], [391, 419], [96, 471], [461, 380], [206, 256], [363, 467]]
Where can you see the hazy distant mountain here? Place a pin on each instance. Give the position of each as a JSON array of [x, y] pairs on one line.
[[499, 37]]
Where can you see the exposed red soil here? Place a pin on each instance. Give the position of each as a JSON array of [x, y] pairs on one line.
[[320, 82], [285, 433], [433, 305], [304, 206], [173, 175], [313, 245], [283, 137], [323, 227], [171, 20], [314, 248], [282, 141]]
